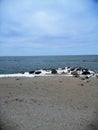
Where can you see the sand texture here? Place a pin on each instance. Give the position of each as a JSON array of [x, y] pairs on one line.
[[49, 103]]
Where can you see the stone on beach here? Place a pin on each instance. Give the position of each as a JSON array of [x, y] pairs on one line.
[[31, 72], [37, 72], [74, 73], [53, 71], [85, 72]]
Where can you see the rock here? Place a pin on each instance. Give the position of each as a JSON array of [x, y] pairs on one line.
[[63, 72], [85, 72], [53, 71], [74, 73], [37, 72], [79, 69], [72, 69], [86, 77], [31, 72], [17, 79], [82, 84], [68, 71], [83, 78]]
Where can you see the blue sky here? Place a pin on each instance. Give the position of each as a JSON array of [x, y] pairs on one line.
[[48, 27]]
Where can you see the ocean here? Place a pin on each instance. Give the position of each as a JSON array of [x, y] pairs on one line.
[[16, 64]]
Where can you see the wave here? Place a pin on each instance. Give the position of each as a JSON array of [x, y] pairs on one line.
[[67, 71]]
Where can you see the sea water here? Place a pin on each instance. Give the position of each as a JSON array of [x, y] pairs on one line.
[[16, 64]]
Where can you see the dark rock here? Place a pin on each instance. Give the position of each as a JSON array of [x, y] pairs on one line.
[[82, 84], [72, 69], [83, 78], [79, 69], [37, 72], [77, 76], [63, 72], [53, 71], [86, 77], [87, 81], [68, 71], [85, 72], [31, 72], [74, 73], [17, 79]]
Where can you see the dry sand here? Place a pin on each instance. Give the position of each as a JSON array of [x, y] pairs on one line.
[[49, 103]]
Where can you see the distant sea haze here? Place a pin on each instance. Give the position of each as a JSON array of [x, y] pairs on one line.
[[16, 64]]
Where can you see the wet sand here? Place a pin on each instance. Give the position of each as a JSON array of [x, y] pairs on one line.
[[49, 103]]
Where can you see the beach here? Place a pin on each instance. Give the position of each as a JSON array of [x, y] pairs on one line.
[[49, 103]]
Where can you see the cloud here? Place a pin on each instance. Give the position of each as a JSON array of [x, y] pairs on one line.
[[48, 25], [46, 22]]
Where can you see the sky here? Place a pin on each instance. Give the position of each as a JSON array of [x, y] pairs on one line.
[[48, 27]]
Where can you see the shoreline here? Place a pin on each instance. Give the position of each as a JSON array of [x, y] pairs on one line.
[[67, 71]]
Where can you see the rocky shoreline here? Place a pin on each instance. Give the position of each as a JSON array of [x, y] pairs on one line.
[[67, 71], [73, 71]]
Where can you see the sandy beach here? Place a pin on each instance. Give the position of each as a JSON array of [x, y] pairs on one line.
[[49, 103]]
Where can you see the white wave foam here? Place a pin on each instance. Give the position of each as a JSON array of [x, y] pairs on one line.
[[26, 74], [66, 72]]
